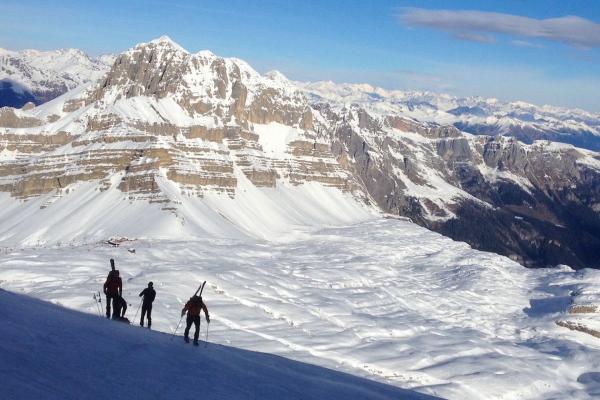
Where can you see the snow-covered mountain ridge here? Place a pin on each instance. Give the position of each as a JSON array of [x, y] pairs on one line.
[[39, 76], [478, 115], [211, 145], [201, 135], [45, 75]]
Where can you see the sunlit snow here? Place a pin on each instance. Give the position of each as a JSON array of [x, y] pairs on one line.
[[383, 299]]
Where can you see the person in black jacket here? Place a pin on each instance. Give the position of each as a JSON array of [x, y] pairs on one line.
[[149, 295]]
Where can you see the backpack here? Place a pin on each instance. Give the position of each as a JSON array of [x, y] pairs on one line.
[[112, 284]]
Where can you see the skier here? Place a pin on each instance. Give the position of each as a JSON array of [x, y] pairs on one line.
[[113, 288], [193, 308], [149, 294]]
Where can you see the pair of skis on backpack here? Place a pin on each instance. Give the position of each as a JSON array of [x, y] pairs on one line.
[[186, 338]]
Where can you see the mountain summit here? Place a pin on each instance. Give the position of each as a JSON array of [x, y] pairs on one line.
[[196, 144], [165, 40]]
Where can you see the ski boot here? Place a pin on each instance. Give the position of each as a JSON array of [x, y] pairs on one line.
[[186, 339]]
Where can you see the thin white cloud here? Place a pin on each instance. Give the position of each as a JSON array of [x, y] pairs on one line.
[[475, 25], [525, 43], [475, 37]]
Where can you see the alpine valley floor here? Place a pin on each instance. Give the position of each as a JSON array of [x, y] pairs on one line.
[[383, 299]]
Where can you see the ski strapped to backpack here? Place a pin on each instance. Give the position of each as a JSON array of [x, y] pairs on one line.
[[200, 289]]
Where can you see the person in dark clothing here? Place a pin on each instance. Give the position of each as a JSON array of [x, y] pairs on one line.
[[113, 288], [149, 294], [121, 308], [193, 308]]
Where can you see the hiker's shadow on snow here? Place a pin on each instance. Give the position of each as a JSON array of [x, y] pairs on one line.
[[550, 305], [591, 381]]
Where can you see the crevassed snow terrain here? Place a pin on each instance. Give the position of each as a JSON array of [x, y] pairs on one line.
[[383, 299]]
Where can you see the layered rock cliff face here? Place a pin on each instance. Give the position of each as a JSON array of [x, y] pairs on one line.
[[163, 125], [538, 204], [197, 120]]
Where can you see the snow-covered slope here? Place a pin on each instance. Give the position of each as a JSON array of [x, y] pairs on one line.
[[386, 300], [83, 214], [49, 352], [39, 76], [170, 144], [477, 115]]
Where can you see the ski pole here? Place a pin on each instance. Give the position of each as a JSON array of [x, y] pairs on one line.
[[206, 341], [138, 309], [200, 327], [177, 328], [97, 306]]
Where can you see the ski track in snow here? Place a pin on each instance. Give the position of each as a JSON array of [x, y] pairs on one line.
[[383, 299]]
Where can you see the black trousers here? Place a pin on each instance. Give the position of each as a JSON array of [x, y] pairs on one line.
[[146, 310], [196, 321], [115, 306]]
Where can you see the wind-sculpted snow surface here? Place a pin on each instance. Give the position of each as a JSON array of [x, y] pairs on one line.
[[49, 353], [384, 299]]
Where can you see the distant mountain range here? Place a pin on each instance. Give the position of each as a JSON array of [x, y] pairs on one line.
[[39, 76], [476, 115], [171, 144]]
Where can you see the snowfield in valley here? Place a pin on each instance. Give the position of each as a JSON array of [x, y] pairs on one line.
[[382, 299]]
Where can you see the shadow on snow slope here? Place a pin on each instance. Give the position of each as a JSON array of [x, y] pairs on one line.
[[49, 352]]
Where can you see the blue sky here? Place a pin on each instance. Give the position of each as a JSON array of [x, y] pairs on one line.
[[537, 51]]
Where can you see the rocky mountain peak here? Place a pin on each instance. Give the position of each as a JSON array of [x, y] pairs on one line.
[[167, 41], [163, 126]]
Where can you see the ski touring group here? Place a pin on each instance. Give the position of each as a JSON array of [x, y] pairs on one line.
[[116, 306]]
